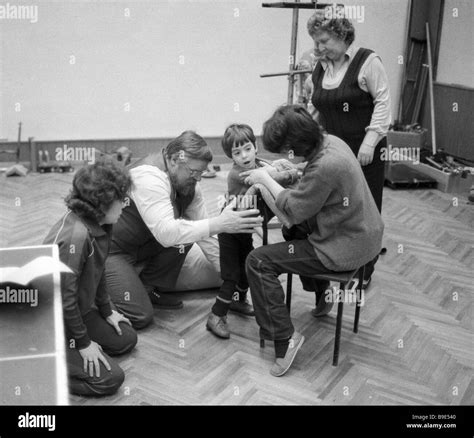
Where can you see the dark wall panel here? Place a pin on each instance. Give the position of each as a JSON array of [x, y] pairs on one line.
[[454, 129]]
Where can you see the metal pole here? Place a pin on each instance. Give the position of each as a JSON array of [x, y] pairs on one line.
[[430, 62], [405, 64], [294, 36], [286, 73], [33, 155], [19, 143]]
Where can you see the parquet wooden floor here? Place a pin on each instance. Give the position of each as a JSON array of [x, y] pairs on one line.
[[415, 343]]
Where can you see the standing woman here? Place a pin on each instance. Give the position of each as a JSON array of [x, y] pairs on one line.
[[351, 95]]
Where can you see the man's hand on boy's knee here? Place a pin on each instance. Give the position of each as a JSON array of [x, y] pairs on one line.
[[230, 221]]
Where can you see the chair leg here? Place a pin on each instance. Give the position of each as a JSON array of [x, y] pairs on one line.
[[340, 310], [264, 227], [289, 284], [264, 232], [358, 299]]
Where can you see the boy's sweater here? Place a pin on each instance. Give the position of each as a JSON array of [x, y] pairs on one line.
[[335, 200]]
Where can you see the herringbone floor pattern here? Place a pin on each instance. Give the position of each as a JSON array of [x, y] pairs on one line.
[[415, 343]]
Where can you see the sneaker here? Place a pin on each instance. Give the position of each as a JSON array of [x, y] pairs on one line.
[[218, 326], [323, 308], [282, 365], [242, 307], [471, 194], [163, 301]]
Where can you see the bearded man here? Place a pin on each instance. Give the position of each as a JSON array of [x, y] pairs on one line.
[[164, 216]]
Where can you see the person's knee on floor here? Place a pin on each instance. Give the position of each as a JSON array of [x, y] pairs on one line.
[[123, 343], [107, 384], [142, 320]]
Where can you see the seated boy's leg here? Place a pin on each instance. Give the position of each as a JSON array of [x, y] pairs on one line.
[[246, 247], [229, 250], [100, 331], [81, 383], [240, 303], [229, 264], [127, 291]]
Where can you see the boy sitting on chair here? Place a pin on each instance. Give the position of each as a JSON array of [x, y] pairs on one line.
[[93, 328], [239, 143]]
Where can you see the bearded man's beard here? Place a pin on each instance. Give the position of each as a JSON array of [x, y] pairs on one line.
[[186, 189]]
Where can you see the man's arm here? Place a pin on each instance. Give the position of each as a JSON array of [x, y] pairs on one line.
[[210, 245], [151, 192]]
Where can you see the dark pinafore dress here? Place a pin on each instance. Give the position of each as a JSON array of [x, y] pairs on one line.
[[346, 111]]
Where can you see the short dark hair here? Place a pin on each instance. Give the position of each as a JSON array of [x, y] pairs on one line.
[[237, 134], [96, 186], [291, 127], [192, 144]]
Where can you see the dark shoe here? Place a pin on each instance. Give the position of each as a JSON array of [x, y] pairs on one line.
[[209, 174], [218, 326], [163, 301], [282, 365], [242, 307], [322, 309]]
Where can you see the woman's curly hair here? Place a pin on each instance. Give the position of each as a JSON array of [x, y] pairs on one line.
[[96, 187], [340, 27]]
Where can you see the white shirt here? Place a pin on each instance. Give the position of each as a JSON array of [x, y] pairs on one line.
[[151, 192]]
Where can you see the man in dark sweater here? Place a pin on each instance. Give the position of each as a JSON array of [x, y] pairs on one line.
[[339, 225]]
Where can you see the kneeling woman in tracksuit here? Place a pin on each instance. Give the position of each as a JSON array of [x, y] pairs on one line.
[[93, 329]]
